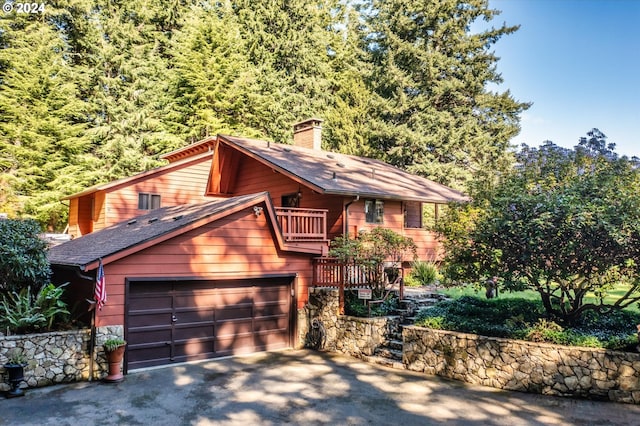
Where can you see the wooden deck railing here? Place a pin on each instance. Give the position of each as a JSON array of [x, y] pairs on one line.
[[299, 224], [331, 272]]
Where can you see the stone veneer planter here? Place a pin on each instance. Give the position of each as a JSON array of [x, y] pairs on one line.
[[57, 357], [524, 366], [53, 357]]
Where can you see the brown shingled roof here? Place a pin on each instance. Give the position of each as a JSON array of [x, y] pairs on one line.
[[85, 250], [341, 174]]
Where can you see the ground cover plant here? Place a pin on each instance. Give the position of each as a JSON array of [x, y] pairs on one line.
[[526, 319]]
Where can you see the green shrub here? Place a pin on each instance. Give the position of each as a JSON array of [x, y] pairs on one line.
[[23, 313], [23, 256], [547, 331], [111, 345], [358, 307], [525, 319], [425, 273]]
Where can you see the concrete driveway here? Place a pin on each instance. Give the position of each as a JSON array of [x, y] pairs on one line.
[[297, 388]]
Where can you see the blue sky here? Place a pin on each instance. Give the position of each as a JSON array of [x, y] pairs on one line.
[[578, 61]]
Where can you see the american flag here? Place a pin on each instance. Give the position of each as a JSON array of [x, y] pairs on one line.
[[100, 294]]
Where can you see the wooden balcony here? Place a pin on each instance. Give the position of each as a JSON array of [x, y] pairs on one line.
[[302, 225]]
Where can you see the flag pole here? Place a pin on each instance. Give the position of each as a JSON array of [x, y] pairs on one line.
[[92, 343]]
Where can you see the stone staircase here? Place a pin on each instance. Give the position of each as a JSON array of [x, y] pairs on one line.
[[390, 352]]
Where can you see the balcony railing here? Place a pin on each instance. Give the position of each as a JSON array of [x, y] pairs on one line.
[[302, 225], [332, 272]]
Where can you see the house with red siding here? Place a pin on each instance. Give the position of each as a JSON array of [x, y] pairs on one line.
[[213, 253]]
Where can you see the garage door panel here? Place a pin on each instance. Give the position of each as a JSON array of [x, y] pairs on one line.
[[148, 335], [193, 331], [271, 295], [150, 319], [231, 328], [271, 324], [148, 356], [234, 312], [270, 309], [233, 296], [233, 345], [194, 347], [200, 299], [192, 316], [177, 321], [143, 302]]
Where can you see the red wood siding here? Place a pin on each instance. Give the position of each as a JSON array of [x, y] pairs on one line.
[[238, 246], [179, 186], [256, 177]]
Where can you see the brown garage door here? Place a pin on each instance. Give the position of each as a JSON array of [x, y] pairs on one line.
[[177, 321]]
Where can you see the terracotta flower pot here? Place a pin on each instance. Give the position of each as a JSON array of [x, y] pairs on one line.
[[114, 358]]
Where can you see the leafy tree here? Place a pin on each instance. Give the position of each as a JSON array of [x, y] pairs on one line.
[[565, 223], [23, 256], [369, 251]]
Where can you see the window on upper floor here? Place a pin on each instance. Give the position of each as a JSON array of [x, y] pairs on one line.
[[431, 212], [412, 214], [148, 201], [291, 200], [374, 211]]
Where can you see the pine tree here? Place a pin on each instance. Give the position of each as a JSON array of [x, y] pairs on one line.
[[41, 121], [291, 44], [434, 114]]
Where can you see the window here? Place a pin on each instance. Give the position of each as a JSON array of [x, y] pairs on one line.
[[412, 214], [290, 200], [431, 212], [374, 211], [148, 201]]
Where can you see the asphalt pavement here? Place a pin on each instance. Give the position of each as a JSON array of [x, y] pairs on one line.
[[297, 387]]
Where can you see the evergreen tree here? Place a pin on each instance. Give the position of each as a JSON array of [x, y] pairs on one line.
[[129, 88], [41, 121], [347, 120], [434, 115], [291, 44]]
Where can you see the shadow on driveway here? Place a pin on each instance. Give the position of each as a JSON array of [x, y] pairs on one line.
[[298, 388]]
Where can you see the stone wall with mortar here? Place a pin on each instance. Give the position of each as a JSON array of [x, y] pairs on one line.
[[358, 337], [524, 366], [58, 357]]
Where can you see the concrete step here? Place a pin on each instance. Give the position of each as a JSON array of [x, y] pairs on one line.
[[384, 361], [385, 352], [395, 344]]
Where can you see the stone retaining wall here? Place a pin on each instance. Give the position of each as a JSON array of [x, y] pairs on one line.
[[57, 357], [52, 357], [358, 337], [524, 366]]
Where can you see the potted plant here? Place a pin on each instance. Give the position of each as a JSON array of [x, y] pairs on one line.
[[15, 365], [114, 349]]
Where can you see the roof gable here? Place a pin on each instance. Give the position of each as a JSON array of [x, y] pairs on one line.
[[140, 232], [341, 174], [199, 156]]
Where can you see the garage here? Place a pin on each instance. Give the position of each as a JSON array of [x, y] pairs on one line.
[[170, 321]]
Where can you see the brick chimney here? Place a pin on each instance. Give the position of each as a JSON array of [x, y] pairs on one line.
[[308, 133]]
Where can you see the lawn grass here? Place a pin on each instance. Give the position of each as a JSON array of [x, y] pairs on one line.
[[471, 290]]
